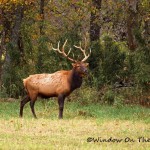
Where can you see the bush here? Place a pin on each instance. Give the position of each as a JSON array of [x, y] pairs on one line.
[[112, 97], [109, 97], [3, 93], [84, 96], [119, 100], [107, 62]]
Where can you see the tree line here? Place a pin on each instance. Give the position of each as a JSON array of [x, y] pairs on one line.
[[117, 31]]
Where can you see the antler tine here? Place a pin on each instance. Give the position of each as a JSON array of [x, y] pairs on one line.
[[83, 51], [69, 51], [64, 45], [84, 59], [62, 51], [57, 49], [85, 43]]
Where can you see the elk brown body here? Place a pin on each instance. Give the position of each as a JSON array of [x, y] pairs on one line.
[[59, 84]]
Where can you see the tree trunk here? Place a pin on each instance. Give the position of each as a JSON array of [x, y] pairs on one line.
[[14, 34], [42, 16], [41, 26], [2, 51], [146, 32], [13, 44], [95, 20], [3, 33], [132, 23]]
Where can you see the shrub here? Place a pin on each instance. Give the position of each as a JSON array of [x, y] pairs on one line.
[[108, 97], [85, 96], [107, 62]]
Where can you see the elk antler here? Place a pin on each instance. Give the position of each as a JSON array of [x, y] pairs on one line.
[[63, 51], [83, 51]]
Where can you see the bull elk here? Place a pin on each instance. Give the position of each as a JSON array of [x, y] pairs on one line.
[[59, 84]]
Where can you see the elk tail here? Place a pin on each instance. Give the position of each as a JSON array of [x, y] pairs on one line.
[[24, 90]]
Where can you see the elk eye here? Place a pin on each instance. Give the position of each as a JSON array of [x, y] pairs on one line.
[[78, 66]]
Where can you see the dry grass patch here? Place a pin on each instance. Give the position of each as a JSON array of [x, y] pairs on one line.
[[70, 134]]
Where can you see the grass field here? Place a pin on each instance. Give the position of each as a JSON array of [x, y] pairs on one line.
[[85, 127]]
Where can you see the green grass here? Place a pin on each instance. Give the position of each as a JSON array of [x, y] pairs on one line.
[[79, 123]]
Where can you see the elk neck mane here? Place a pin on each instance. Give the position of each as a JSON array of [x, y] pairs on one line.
[[75, 80]]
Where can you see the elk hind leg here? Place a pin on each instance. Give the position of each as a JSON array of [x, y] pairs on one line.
[[32, 102], [22, 104], [32, 108]]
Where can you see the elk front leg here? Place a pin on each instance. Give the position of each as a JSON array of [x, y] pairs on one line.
[[61, 99]]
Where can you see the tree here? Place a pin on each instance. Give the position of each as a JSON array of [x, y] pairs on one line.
[[41, 42], [28, 28], [132, 23], [95, 20], [12, 15], [2, 51]]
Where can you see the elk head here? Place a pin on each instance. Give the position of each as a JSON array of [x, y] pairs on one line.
[[79, 67]]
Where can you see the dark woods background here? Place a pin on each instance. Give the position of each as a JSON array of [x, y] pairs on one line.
[[117, 31]]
